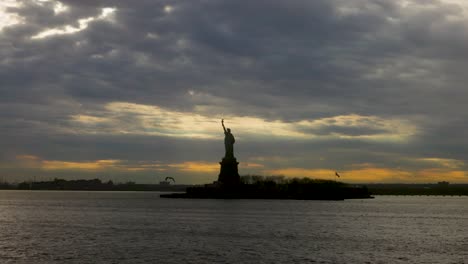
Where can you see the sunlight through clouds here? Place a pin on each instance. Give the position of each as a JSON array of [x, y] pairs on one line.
[[8, 19], [60, 8], [83, 23], [168, 9], [31, 161], [154, 120], [446, 163], [91, 86]]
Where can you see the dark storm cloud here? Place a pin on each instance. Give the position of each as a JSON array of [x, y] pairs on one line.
[[277, 60]]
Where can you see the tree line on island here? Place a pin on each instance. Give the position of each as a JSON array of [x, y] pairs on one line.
[[256, 182]]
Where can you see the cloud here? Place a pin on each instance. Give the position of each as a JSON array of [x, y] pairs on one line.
[[128, 118], [445, 163], [119, 166], [64, 165], [6, 18], [32, 161], [82, 23], [316, 84]]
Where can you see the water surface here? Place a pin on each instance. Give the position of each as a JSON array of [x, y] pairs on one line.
[[140, 227]]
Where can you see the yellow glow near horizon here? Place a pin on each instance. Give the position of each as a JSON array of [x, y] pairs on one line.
[[31, 161], [373, 174], [191, 166], [377, 175], [361, 173], [68, 165], [448, 163], [302, 173], [27, 157], [444, 174]]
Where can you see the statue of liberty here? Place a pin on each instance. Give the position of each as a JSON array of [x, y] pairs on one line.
[[229, 174], [228, 142]]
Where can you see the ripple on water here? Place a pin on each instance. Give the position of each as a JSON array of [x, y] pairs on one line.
[[113, 227]]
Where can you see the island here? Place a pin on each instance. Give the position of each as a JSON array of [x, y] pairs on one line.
[[230, 185]]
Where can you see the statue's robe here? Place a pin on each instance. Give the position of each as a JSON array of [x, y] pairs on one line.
[[229, 144]]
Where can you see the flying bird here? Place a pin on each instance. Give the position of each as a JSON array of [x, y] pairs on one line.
[[336, 174]]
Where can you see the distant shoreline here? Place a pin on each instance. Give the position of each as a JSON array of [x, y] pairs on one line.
[[92, 185], [435, 189], [181, 191]]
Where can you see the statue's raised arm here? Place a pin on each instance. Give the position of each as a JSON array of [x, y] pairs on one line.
[[222, 123]]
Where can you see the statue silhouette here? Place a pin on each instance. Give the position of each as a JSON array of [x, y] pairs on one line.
[[228, 142]]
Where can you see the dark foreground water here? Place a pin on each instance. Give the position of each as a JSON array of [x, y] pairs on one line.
[[130, 227]]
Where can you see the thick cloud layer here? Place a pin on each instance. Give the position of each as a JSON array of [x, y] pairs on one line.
[[136, 89]]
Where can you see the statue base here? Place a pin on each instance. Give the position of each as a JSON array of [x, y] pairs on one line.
[[229, 174]]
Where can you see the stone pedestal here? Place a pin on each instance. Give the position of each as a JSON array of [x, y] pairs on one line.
[[229, 175]]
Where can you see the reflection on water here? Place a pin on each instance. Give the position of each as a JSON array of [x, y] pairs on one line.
[[129, 227]]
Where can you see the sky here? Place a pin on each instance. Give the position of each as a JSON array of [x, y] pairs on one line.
[[135, 90]]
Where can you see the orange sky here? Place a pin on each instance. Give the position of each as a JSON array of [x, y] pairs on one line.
[[365, 173]]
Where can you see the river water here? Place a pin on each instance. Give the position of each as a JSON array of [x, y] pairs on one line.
[[140, 227]]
